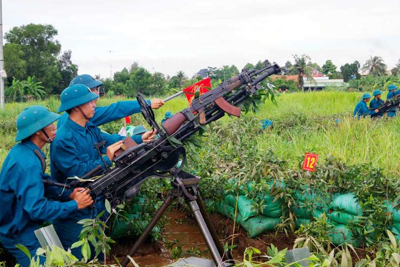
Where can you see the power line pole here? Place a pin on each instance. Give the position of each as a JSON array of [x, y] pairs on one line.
[[2, 73]]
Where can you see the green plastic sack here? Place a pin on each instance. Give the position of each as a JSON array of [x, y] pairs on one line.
[[396, 226], [340, 234], [301, 221], [272, 209], [342, 217], [317, 213], [348, 203], [259, 224], [396, 233], [303, 212], [244, 205], [228, 211], [395, 213], [122, 227]]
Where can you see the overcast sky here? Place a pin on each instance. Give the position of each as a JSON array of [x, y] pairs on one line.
[[173, 35]]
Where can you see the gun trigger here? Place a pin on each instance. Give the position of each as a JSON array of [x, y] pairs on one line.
[[228, 108], [202, 117]]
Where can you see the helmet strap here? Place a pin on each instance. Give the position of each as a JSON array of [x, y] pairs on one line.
[[47, 136], [83, 113]]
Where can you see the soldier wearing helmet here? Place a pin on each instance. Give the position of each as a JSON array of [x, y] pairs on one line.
[[73, 154], [361, 109], [112, 112], [376, 103], [22, 197]]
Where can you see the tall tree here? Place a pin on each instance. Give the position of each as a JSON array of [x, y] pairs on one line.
[[67, 69], [37, 51], [181, 78], [396, 70], [375, 66], [329, 68], [139, 81], [303, 69], [350, 71]]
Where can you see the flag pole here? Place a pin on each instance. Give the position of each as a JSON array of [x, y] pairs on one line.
[[173, 96]]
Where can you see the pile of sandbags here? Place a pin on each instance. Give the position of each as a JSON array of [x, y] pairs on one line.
[[247, 212], [309, 205], [343, 211]]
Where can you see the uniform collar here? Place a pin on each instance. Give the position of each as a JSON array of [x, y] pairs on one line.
[[78, 128], [28, 143]]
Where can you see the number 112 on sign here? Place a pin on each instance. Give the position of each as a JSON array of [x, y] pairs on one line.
[[310, 160]]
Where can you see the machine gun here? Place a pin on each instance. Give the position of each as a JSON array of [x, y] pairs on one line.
[[160, 157], [389, 104]]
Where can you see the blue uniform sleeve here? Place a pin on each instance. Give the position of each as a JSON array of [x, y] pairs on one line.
[[356, 110], [115, 111], [70, 164], [56, 192], [365, 110], [29, 189]]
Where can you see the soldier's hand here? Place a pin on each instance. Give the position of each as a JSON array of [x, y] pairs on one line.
[[376, 110], [78, 189], [83, 199], [112, 149], [149, 136], [156, 103]]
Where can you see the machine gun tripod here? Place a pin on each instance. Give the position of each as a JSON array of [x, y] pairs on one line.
[[186, 185]]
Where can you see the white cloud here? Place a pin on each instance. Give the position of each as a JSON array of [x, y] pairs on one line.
[[174, 35]]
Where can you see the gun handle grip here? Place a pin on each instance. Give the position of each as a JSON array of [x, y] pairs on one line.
[[172, 124]]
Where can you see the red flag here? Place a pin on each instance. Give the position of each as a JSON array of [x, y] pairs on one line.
[[202, 87], [127, 120]]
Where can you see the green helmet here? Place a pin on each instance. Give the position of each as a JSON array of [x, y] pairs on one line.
[[87, 80], [75, 96], [33, 119], [377, 92], [365, 96]]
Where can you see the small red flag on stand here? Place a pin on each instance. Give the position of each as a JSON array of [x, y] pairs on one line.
[[127, 120], [310, 160], [202, 87]]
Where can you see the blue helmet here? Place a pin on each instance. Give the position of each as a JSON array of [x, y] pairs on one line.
[[266, 123], [136, 130], [365, 96], [87, 80], [377, 92], [33, 119], [75, 96], [392, 87]]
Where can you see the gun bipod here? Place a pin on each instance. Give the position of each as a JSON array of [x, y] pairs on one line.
[[185, 185]]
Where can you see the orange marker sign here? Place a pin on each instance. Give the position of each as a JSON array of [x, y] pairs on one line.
[[310, 160]]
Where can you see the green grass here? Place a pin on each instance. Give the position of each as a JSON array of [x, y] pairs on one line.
[[303, 122]]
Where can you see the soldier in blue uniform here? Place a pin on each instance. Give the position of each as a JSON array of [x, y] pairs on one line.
[[112, 112], [361, 109], [73, 153], [392, 92], [22, 195], [376, 103]]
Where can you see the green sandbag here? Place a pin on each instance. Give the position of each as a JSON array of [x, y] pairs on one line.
[[317, 213], [228, 211], [348, 203], [395, 212], [396, 226], [223, 209], [342, 217], [273, 209], [260, 224], [301, 221], [305, 196], [244, 205], [396, 233], [340, 234], [122, 227], [303, 212]]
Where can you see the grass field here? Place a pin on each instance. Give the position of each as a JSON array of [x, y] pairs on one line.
[[319, 122]]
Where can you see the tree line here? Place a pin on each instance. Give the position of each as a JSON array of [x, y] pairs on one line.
[[37, 67]]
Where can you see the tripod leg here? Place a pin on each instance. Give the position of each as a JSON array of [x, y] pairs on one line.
[[206, 233], [149, 227], [226, 254]]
